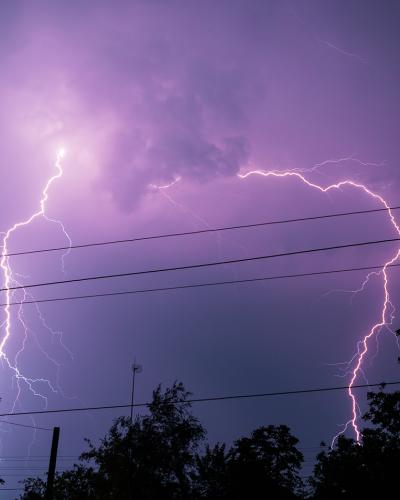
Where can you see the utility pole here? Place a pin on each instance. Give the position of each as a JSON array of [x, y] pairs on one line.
[[135, 369], [49, 495]]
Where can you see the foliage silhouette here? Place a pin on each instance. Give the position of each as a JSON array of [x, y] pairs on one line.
[[163, 456], [367, 469], [264, 465]]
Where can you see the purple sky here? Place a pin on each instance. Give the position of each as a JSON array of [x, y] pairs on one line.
[[143, 93]]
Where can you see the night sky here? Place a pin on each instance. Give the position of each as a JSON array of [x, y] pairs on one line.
[[147, 94]]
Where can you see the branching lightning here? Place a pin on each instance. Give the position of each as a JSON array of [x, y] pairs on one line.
[[353, 367], [342, 51], [387, 311], [10, 278], [163, 189]]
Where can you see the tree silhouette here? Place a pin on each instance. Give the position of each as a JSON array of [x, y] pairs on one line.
[[77, 484], [367, 469], [211, 478], [151, 458], [264, 465], [159, 456]]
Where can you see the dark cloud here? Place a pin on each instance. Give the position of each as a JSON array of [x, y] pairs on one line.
[[166, 87], [171, 90]]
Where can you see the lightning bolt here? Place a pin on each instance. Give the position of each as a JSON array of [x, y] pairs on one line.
[[387, 312], [338, 162], [163, 190], [166, 186], [10, 279], [343, 52], [385, 320]]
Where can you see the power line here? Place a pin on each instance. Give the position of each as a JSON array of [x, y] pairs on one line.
[[23, 457], [200, 231], [197, 285], [201, 400], [202, 265], [21, 468], [5, 474], [24, 425], [44, 459]]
